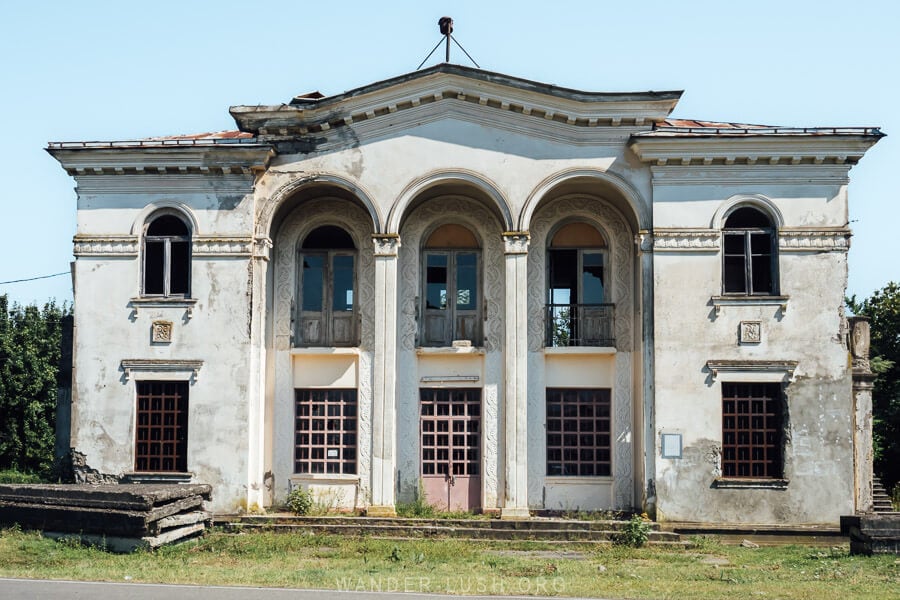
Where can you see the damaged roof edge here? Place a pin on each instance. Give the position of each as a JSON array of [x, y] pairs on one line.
[[490, 77]]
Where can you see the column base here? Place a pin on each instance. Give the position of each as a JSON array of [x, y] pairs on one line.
[[512, 513], [381, 511]]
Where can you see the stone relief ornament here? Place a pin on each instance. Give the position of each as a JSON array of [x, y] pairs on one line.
[[161, 332], [750, 332]]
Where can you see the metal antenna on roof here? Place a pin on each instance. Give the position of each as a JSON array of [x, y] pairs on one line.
[[445, 24]]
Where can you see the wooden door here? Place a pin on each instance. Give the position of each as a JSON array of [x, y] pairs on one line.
[[451, 447]]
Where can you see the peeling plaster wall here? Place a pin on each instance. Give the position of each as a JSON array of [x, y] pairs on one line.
[[217, 333], [818, 451]]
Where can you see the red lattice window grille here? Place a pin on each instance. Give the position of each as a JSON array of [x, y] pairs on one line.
[[751, 429], [162, 426], [325, 431], [450, 431], [578, 432]]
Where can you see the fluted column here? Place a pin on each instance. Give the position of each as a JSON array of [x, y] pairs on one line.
[[515, 502], [384, 413]]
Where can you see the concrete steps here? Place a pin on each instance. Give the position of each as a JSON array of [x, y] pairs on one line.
[[881, 499], [537, 529]]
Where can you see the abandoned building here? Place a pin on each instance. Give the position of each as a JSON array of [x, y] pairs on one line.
[[506, 295]]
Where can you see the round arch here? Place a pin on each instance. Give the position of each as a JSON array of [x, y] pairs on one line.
[[165, 206], [639, 213], [757, 201], [420, 185], [281, 195]]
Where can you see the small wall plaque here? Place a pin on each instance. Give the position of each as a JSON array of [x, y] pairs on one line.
[[161, 332], [750, 332], [671, 445]]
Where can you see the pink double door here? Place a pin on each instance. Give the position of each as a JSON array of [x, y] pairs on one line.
[[451, 447]]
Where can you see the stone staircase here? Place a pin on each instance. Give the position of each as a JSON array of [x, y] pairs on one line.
[[550, 530], [882, 502]]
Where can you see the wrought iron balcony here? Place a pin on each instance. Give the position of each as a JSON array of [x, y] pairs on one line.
[[580, 325]]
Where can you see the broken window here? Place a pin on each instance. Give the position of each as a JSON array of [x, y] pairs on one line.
[[161, 427], [752, 427], [327, 276], [749, 255], [451, 287], [578, 432], [325, 431], [167, 257], [578, 311]]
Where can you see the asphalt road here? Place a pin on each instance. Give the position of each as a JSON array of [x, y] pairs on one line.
[[28, 589]]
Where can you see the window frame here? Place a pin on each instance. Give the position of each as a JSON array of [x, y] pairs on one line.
[[601, 465], [327, 398], [167, 257], [453, 314], [327, 312], [179, 428], [604, 310], [747, 254], [774, 415]]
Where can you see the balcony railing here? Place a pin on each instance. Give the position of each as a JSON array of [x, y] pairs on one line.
[[580, 325]]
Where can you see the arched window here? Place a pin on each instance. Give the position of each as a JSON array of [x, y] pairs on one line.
[[749, 256], [451, 289], [167, 257], [578, 311], [327, 278]]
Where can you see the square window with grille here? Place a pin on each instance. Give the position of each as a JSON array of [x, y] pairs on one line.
[[325, 431], [578, 432], [752, 424], [161, 430]]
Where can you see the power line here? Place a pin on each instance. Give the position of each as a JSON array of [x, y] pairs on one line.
[[34, 278]]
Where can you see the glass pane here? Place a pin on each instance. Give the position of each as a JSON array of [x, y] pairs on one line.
[[563, 277], [467, 281], [734, 243], [734, 275], [313, 267], [592, 278], [180, 267], [762, 275], [436, 281], [760, 243], [342, 270], [154, 261]]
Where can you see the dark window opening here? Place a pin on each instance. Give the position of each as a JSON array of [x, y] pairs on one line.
[[167, 258], [579, 432], [325, 436], [161, 426], [327, 277], [749, 256], [578, 313], [752, 425]]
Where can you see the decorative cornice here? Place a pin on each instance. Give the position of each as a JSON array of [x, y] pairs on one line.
[[814, 240], [118, 246], [785, 368], [719, 301], [686, 240], [166, 184], [453, 84], [721, 173], [112, 158], [516, 242], [386, 245], [222, 246], [157, 365]]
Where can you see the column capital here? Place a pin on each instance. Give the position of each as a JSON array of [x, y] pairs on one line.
[[516, 242], [386, 244]]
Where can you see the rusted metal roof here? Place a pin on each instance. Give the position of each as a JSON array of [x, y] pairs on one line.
[[695, 128], [190, 139]]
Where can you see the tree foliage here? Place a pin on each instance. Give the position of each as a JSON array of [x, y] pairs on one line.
[[30, 346], [883, 310]]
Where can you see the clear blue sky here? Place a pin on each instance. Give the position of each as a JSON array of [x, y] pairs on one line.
[[91, 70]]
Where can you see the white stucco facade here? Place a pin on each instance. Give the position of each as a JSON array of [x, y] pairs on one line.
[[488, 191]]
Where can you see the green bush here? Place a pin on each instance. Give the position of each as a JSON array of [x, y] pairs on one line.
[[636, 532], [299, 501], [12, 476]]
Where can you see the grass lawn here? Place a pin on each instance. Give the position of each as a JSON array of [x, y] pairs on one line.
[[708, 570]]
